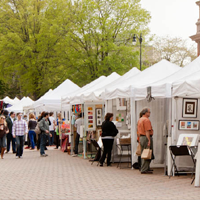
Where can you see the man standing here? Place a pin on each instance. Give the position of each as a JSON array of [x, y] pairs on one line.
[[52, 128], [145, 133], [78, 123], [19, 128], [44, 127], [10, 120]]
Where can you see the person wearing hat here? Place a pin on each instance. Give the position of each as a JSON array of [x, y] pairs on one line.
[[3, 131]]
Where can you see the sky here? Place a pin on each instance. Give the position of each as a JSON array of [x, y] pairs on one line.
[[176, 18]]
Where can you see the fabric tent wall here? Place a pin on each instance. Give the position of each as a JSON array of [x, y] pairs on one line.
[[159, 116]]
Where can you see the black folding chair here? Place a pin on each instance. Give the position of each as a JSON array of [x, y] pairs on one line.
[[182, 150], [97, 147]]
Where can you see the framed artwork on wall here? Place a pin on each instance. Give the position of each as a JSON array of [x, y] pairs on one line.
[[190, 108], [99, 116], [90, 116], [121, 103], [186, 125]]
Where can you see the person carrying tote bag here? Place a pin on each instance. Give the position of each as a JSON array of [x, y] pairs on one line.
[[145, 133]]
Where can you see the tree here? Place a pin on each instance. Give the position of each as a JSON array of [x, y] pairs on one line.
[[175, 50], [101, 39], [43, 42], [30, 36]]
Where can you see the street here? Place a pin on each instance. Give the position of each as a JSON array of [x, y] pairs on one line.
[[60, 176]]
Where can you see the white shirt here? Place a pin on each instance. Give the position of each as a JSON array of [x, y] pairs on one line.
[[52, 126], [78, 123]]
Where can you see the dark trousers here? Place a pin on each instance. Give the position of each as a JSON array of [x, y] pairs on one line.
[[107, 149], [76, 143], [51, 139], [57, 140], [38, 141], [13, 140], [20, 145], [43, 140]]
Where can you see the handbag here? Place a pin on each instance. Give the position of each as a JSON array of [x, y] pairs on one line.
[[138, 150], [146, 154], [37, 129]]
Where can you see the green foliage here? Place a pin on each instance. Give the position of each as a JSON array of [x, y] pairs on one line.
[[43, 42]]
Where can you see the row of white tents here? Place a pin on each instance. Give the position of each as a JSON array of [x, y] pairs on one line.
[[161, 77], [169, 85]]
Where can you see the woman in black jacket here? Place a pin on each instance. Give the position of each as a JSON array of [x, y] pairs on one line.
[[109, 131]]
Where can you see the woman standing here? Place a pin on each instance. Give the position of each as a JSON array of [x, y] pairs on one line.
[[31, 126], [109, 131], [3, 131]]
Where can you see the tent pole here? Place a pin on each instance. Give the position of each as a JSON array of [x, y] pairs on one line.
[[133, 131]]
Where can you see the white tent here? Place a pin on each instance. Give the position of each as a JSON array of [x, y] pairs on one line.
[[31, 107], [150, 75], [131, 88], [162, 88], [16, 100], [82, 96], [98, 94], [25, 101], [66, 98], [9, 100], [52, 100]]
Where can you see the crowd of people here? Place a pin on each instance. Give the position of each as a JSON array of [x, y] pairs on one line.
[[46, 130], [35, 132]]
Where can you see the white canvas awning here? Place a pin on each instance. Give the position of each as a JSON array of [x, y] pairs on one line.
[[52, 100], [137, 86]]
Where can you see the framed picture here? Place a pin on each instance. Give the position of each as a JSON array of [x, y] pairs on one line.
[[188, 139], [90, 116], [190, 108], [99, 116], [121, 103], [186, 125]]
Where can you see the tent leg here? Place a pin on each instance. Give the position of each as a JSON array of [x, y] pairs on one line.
[[133, 132]]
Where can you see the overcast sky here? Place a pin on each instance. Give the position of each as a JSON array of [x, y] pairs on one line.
[[172, 17]]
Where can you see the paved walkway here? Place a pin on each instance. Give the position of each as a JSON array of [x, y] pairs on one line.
[[60, 176]]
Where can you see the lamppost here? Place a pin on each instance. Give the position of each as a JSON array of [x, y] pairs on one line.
[[134, 42]]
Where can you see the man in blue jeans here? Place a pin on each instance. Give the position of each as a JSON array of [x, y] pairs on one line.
[[19, 128], [44, 127]]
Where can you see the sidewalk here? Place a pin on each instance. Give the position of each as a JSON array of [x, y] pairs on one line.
[[60, 176]]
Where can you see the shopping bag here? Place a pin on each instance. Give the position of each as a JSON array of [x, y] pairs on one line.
[[138, 150], [146, 154]]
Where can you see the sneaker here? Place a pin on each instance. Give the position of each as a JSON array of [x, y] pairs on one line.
[[44, 155], [74, 155], [16, 157], [21, 157]]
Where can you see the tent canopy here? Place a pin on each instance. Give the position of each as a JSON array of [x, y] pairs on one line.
[[51, 101], [184, 76], [137, 86], [25, 101], [82, 96], [9, 100], [66, 98], [98, 95]]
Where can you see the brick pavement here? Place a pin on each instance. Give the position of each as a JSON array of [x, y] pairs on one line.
[[60, 176]]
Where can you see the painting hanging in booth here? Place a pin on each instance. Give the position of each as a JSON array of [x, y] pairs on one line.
[[192, 125], [190, 108], [77, 108]]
